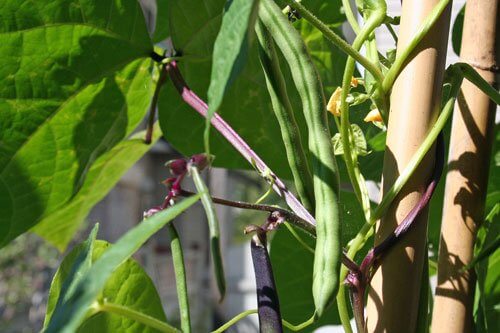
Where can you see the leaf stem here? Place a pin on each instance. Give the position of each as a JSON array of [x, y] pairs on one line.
[[298, 238], [349, 14], [152, 107], [238, 143], [300, 326], [286, 214], [135, 315]]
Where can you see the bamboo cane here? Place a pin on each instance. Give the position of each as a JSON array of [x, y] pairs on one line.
[[467, 177], [415, 99]]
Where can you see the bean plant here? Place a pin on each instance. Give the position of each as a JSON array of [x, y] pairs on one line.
[[270, 86]]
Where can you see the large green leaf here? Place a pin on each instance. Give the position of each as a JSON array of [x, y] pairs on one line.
[[70, 313], [246, 105], [162, 29], [59, 227], [128, 286], [73, 83], [293, 266]]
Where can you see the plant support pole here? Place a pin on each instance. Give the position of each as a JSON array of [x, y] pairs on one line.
[[395, 288], [466, 181]]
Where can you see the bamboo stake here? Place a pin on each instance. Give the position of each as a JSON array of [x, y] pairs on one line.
[[467, 178], [415, 99]]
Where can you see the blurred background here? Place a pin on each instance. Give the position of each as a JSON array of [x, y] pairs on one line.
[[27, 264]]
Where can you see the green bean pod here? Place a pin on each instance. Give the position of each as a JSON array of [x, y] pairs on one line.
[[324, 167], [180, 278], [213, 227], [284, 114]]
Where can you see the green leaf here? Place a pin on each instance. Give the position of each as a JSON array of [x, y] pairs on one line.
[[488, 277], [59, 227], [359, 147], [73, 83], [80, 263], [293, 266], [128, 286], [456, 32], [230, 52], [70, 314], [162, 29]]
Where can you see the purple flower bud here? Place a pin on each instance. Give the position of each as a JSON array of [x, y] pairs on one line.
[[201, 161], [177, 167]]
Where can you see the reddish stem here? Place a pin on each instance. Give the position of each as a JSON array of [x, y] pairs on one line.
[[238, 143]]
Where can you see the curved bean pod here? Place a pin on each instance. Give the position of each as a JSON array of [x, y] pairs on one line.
[[284, 113], [267, 295], [324, 167]]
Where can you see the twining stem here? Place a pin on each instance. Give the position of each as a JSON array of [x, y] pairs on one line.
[[402, 58], [337, 40], [152, 108], [357, 243], [135, 315], [359, 277], [238, 143]]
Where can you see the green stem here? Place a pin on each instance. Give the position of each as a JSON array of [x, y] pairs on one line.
[[180, 278], [349, 14], [349, 156], [401, 59], [234, 320], [342, 306], [135, 315], [379, 97], [338, 41], [300, 326], [392, 32]]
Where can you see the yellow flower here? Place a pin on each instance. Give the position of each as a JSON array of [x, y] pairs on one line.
[[372, 116], [334, 102]]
